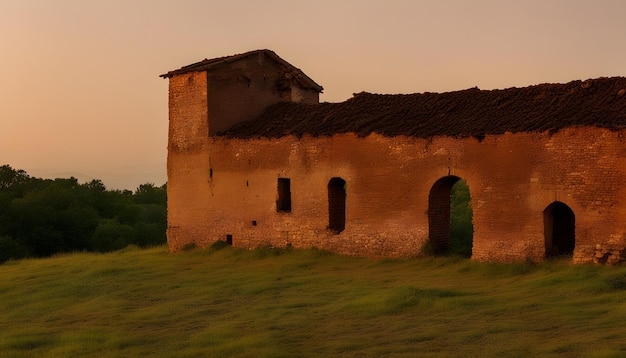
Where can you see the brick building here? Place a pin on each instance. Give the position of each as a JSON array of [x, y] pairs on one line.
[[255, 160]]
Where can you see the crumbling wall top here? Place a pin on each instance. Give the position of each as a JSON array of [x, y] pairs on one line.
[[473, 112]]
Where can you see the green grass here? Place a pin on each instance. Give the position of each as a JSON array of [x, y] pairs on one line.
[[305, 303]]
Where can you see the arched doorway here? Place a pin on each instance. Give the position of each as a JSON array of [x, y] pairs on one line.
[[559, 225], [450, 217], [336, 205]]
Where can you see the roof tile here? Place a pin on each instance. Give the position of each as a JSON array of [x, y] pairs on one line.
[[472, 112]]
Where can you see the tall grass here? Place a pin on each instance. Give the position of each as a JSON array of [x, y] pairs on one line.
[[223, 301]]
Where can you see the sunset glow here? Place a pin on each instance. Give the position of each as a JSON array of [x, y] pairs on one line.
[[80, 93]]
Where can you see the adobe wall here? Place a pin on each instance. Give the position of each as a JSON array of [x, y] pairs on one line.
[[188, 125], [206, 103], [229, 187], [246, 88]]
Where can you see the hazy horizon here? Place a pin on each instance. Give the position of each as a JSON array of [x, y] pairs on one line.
[[81, 94]]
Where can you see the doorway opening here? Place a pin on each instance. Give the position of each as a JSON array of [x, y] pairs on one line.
[[336, 205], [450, 218], [559, 225]]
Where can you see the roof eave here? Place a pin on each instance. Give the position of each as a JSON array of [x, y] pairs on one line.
[[303, 80]]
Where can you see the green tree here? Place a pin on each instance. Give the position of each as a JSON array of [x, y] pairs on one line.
[[55, 219], [11, 250], [461, 227], [110, 235], [41, 217], [10, 177], [150, 194]]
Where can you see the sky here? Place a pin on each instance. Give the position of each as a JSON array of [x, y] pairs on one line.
[[80, 93]]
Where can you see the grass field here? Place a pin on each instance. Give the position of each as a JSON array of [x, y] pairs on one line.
[[276, 303]]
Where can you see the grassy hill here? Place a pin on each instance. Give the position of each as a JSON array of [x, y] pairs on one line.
[[276, 303]]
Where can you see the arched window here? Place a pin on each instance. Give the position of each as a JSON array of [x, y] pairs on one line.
[[559, 225], [336, 205]]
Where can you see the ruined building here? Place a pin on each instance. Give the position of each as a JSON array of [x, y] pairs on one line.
[[255, 160]]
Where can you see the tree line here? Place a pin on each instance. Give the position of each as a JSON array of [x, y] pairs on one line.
[[43, 217]]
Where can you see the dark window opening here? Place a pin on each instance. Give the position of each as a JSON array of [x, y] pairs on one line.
[[336, 205], [559, 224], [283, 203], [253, 222], [229, 239]]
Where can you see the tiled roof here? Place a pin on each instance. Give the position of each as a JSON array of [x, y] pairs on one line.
[[546, 107], [208, 64]]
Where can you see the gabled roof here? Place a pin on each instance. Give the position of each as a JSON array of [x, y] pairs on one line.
[[302, 79], [546, 107]]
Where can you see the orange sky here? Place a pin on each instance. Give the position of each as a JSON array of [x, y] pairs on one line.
[[80, 93]]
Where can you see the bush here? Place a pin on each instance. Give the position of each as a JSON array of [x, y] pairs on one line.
[[110, 235], [217, 245]]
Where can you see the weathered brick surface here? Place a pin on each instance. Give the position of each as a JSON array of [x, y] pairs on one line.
[[568, 147], [227, 184], [245, 89], [187, 112]]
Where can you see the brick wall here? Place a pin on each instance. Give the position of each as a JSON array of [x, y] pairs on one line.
[[230, 187], [201, 104], [246, 88], [188, 126]]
